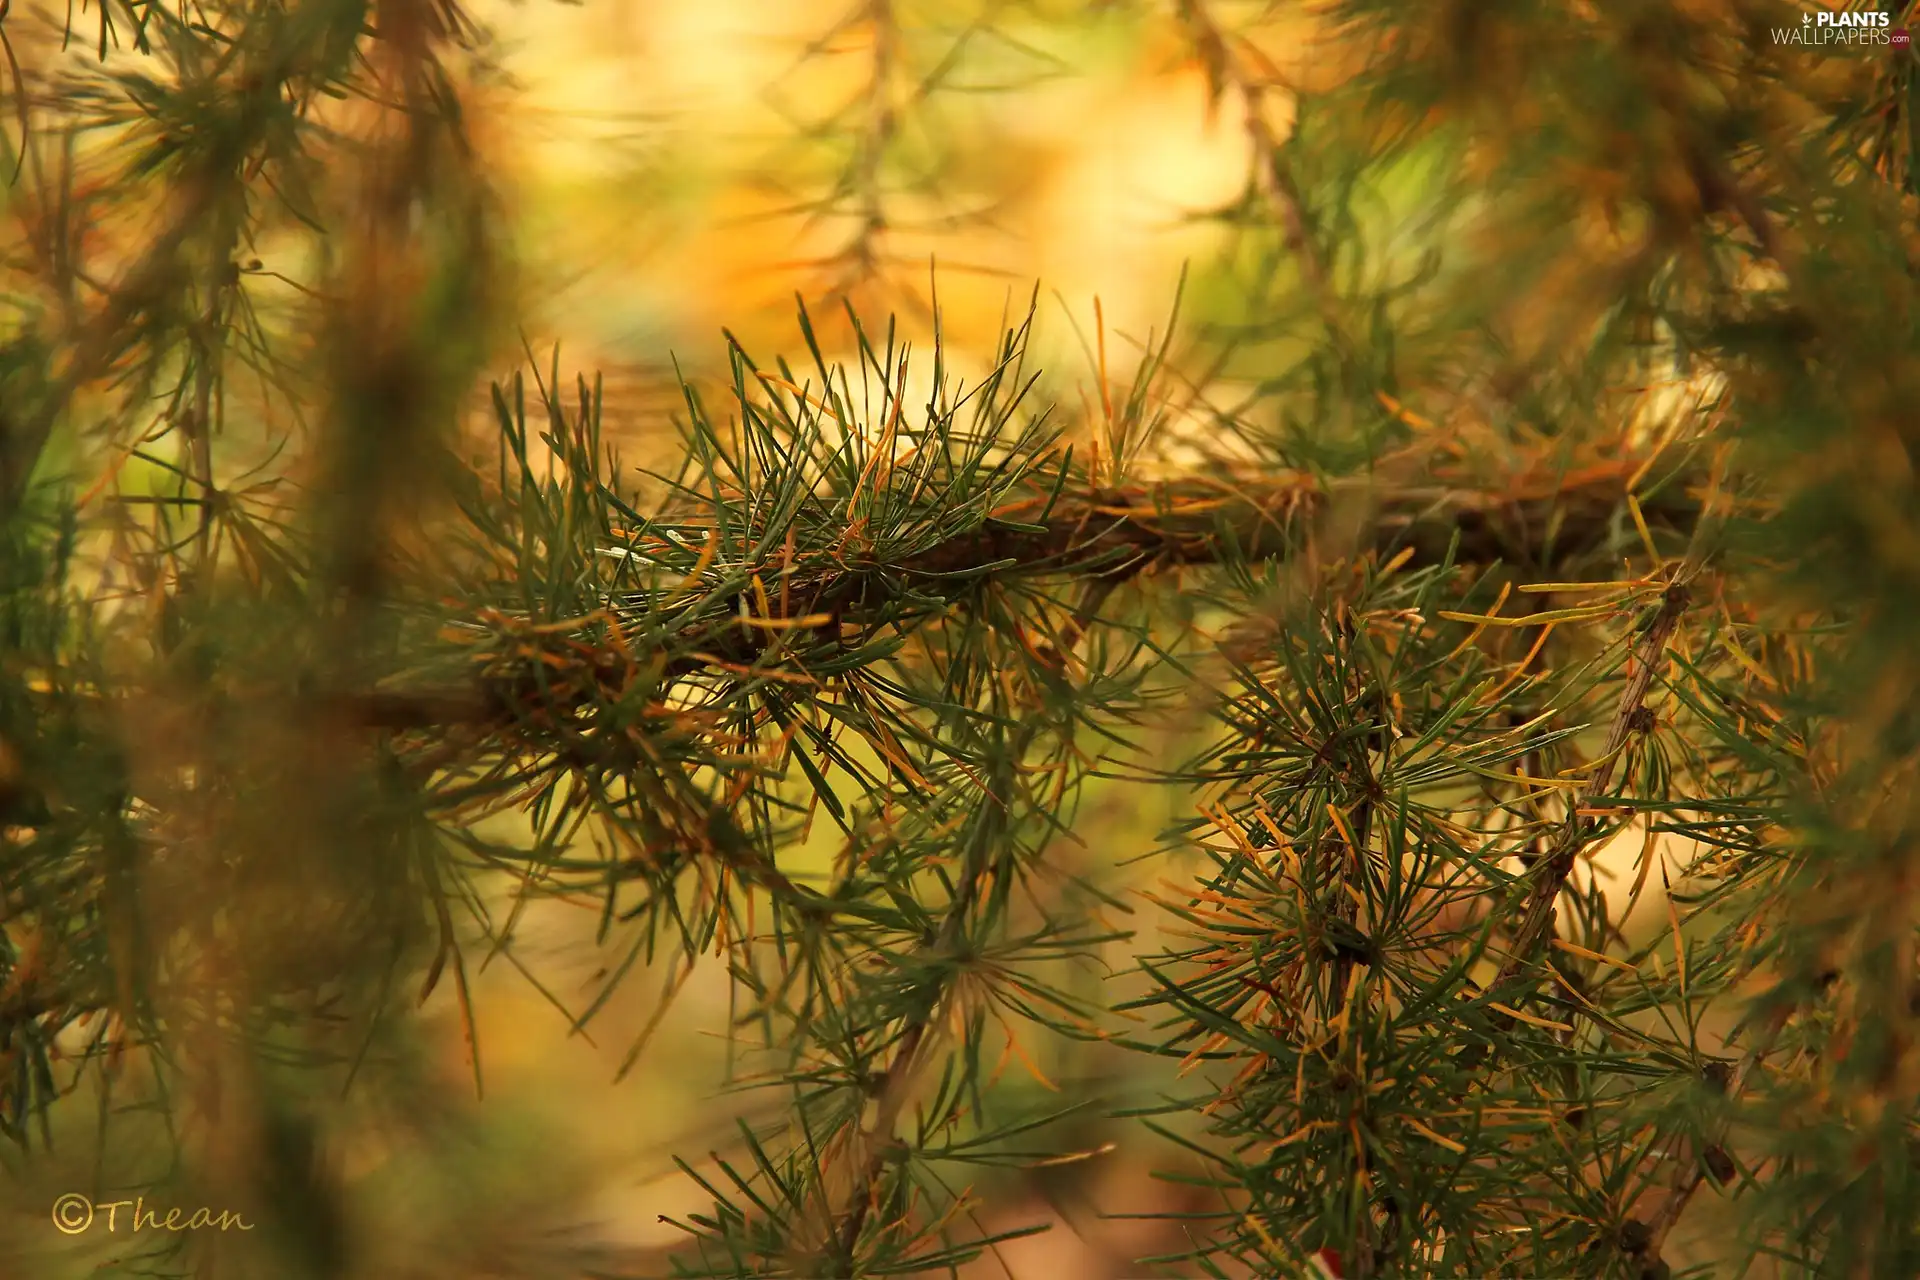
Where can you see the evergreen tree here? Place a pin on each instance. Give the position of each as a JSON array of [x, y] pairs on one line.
[[1571, 507]]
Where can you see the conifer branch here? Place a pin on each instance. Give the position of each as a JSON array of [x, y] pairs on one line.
[[1649, 653], [896, 1083], [1116, 534], [1693, 1175]]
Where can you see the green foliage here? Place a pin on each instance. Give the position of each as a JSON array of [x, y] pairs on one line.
[[1570, 511]]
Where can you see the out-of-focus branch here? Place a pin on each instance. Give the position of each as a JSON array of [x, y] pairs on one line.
[[1272, 178], [861, 259]]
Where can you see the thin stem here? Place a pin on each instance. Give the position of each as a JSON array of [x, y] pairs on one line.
[[1648, 654], [898, 1079]]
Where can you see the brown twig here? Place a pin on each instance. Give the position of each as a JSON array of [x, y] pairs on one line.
[[1689, 1179], [1111, 535], [1648, 653], [1272, 178], [896, 1083]]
